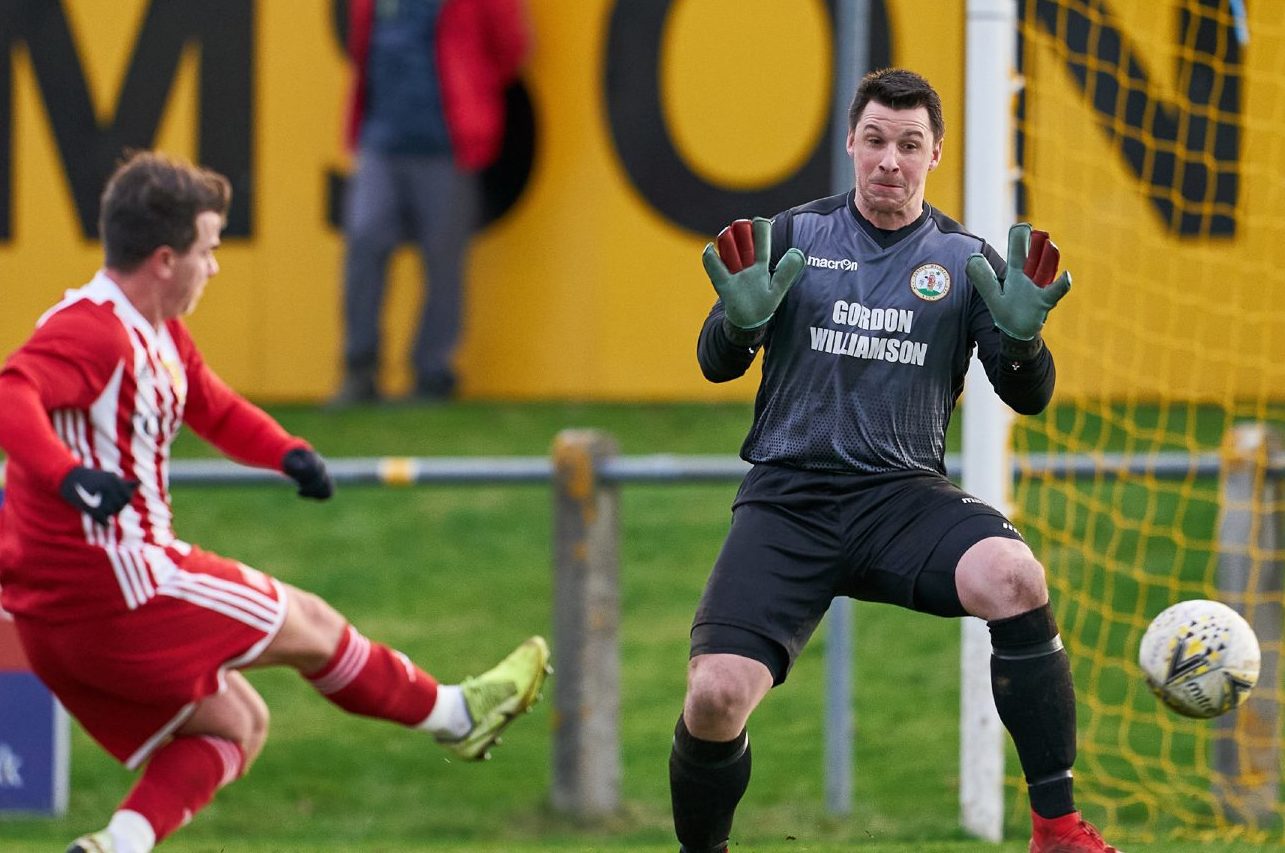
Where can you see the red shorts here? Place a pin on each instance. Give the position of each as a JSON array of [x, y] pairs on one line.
[[133, 679]]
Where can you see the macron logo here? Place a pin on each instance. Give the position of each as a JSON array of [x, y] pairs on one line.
[[825, 263], [91, 499]]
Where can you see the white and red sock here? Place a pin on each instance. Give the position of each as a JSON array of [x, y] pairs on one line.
[[370, 679], [450, 718], [179, 780]]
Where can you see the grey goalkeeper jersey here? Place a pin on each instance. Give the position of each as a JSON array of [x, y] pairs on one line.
[[865, 357]]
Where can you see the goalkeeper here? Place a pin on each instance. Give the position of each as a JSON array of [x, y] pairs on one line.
[[867, 306]]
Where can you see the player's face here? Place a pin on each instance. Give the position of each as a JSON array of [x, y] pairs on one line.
[[892, 153], [193, 268]]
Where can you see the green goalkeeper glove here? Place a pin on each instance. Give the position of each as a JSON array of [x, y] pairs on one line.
[[738, 271], [1018, 304]]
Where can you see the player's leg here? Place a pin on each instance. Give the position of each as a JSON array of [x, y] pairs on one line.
[[369, 678], [999, 580], [770, 586], [709, 761], [214, 747], [967, 558], [155, 687]]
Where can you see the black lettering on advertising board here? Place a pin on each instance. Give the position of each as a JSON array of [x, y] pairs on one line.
[[89, 150], [647, 152], [1185, 151]]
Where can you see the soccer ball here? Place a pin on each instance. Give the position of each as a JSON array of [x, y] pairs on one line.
[[1200, 658]]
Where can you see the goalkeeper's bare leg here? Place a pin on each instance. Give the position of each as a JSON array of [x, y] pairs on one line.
[[709, 762], [1000, 580]]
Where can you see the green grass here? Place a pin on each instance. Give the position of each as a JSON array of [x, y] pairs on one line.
[[454, 576]]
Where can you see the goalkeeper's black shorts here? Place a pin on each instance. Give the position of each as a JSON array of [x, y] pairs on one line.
[[800, 538]]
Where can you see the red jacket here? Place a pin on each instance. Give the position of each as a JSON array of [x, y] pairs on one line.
[[481, 45]]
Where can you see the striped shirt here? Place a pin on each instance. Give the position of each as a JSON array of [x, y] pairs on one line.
[[97, 385]]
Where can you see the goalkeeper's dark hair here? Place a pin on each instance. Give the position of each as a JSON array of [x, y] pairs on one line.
[[901, 90], [152, 200]]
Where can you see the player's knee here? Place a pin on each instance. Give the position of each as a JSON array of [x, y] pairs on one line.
[[247, 715], [717, 700], [1018, 579], [255, 734], [1000, 578]]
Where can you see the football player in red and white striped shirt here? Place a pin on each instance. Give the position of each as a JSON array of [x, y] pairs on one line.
[[140, 634]]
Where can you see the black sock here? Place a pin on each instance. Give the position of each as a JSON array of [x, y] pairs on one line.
[[706, 781], [1035, 697]]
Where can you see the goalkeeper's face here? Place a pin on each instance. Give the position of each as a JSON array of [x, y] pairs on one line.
[[892, 153]]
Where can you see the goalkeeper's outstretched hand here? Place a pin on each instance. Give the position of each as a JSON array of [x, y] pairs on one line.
[[738, 270], [308, 470], [1022, 301]]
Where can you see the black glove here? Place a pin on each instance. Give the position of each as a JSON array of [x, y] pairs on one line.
[[308, 469], [100, 494]]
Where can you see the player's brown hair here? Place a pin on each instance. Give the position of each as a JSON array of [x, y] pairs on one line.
[[901, 90], [152, 200]]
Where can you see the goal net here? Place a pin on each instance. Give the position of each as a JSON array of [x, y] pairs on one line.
[[1151, 144]]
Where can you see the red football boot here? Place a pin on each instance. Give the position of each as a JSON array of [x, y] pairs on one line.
[[1069, 833]]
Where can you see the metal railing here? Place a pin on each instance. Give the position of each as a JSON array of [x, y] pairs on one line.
[[668, 468], [586, 472]]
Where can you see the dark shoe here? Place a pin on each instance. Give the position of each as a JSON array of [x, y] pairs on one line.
[[437, 385], [356, 390], [438, 388]]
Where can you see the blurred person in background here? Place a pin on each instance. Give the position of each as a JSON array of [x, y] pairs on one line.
[[868, 306], [139, 634], [426, 113]]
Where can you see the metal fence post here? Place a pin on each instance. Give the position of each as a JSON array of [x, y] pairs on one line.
[[586, 620], [1247, 742]]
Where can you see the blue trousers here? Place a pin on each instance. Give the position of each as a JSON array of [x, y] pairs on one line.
[[429, 201]]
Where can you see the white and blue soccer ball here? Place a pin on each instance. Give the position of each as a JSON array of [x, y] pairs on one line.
[[1200, 658]]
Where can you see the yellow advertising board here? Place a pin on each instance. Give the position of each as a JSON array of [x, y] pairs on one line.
[[650, 124]]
